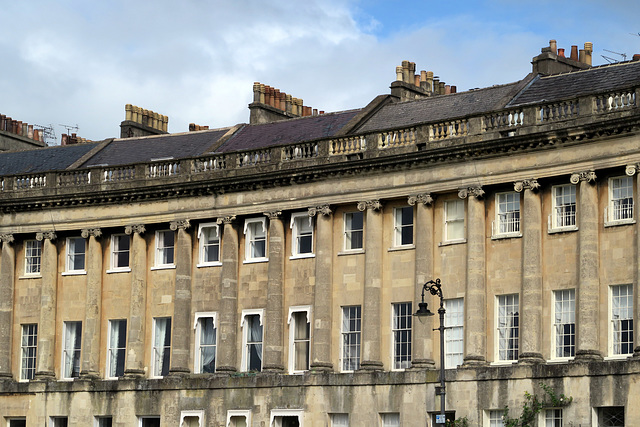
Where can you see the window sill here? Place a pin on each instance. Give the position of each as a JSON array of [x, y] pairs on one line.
[[620, 222], [560, 360], [209, 264], [562, 230], [119, 270], [164, 267], [401, 248], [452, 242], [30, 276], [255, 260], [506, 236], [351, 252], [302, 256], [619, 357], [74, 273], [504, 363]]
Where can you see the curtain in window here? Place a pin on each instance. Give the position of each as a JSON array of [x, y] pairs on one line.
[[72, 349], [113, 345], [255, 346], [301, 341], [161, 344], [207, 345]]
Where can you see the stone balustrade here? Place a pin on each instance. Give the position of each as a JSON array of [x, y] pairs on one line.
[[615, 101], [74, 178], [397, 138], [503, 120], [121, 173], [347, 145], [305, 150], [558, 111]]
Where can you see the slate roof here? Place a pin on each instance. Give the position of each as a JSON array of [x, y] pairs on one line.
[[42, 159], [287, 131], [438, 108], [579, 83], [134, 150]]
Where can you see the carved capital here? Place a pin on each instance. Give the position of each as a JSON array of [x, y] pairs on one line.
[[6, 238], [135, 228], [274, 214], [376, 205], [48, 235], [527, 184], [181, 224], [476, 192], [86, 232], [226, 220], [324, 210], [631, 170], [426, 199], [588, 176]]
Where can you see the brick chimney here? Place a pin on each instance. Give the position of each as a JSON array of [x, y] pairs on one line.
[[409, 85], [552, 59], [139, 122], [271, 105], [19, 130]]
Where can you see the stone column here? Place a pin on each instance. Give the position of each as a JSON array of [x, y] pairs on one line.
[[370, 356], [531, 282], [273, 334], [422, 351], [228, 320], [181, 323], [7, 278], [475, 308], [588, 342], [322, 291], [138, 302], [93, 305], [631, 171], [47, 323]]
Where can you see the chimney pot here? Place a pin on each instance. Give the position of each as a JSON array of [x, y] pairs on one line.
[[416, 80], [588, 50], [399, 74], [454, 89], [561, 52], [574, 52], [636, 57], [447, 89], [554, 46]]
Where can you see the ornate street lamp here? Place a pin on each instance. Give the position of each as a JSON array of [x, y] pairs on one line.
[[434, 287]]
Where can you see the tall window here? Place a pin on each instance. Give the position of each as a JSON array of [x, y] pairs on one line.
[[302, 229], [353, 230], [507, 214], [390, 420], [161, 351], [120, 246], [621, 329], [28, 351], [553, 418], [454, 220], [508, 327], [252, 340], [299, 339], [454, 333], [351, 327], [620, 207], [76, 247], [72, 348], [401, 329], [117, 348], [255, 231], [238, 418], [32, 257], [495, 418], [206, 336], [403, 228], [563, 207], [565, 323], [165, 242], [209, 238]]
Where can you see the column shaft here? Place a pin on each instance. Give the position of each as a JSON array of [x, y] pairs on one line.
[[273, 335], [227, 354], [93, 306], [138, 302], [322, 301], [7, 277], [181, 324], [631, 169], [47, 323]]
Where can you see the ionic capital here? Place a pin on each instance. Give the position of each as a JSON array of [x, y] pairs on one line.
[[86, 232], [6, 238], [588, 176], [476, 192], [631, 170], [181, 224], [324, 210], [426, 199], [375, 205], [48, 235], [226, 220], [134, 228], [274, 214], [527, 184]]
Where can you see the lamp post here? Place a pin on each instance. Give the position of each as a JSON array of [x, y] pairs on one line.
[[434, 287]]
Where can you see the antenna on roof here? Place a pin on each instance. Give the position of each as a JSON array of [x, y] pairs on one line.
[[612, 60], [69, 128], [49, 134]]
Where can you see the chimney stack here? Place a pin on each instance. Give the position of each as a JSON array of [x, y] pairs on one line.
[[140, 122], [270, 104]]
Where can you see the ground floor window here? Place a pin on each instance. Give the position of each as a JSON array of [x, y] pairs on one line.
[[612, 416], [149, 421], [17, 422]]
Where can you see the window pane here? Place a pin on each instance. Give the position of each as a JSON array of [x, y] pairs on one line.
[[28, 350], [351, 317], [454, 334], [508, 327], [402, 318], [354, 230]]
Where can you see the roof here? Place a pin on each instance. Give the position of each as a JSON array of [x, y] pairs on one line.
[[42, 159]]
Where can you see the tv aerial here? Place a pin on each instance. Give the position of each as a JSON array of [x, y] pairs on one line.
[[69, 128], [613, 60], [49, 134]]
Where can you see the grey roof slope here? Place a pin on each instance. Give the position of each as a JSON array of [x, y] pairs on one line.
[[579, 83], [441, 107], [287, 131], [42, 159], [134, 150]]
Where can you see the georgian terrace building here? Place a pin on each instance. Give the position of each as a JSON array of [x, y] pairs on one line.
[[266, 274]]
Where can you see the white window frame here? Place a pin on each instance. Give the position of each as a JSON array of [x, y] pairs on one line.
[[70, 352], [548, 415], [297, 234], [111, 350], [9, 419], [347, 334], [197, 363], [246, 413], [193, 413], [566, 316], [450, 220], [348, 232], [275, 413], [249, 240], [557, 222], [32, 261], [507, 221], [613, 352], [493, 418], [154, 373], [614, 213], [98, 418], [203, 229], [148, 417], [53, 420], [389, 419], [28, 350], [510, 317], [597, 413], [335, 422], [115, 250], [292, 337], [70, 267], [454, 332], [398, 227], [162, 250], [396, 330], [245, 337]]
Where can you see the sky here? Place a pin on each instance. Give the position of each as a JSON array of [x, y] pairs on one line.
[[76, 63]]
